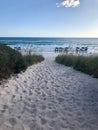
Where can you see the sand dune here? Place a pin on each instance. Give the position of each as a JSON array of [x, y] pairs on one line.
[[49, 96]]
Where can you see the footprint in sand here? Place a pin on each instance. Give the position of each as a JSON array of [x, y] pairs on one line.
[[52, 114], [11, 124], [43, 121]]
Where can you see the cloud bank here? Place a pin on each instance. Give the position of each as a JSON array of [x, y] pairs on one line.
[[69, 3]]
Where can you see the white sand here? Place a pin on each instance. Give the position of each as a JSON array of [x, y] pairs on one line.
[[49, 96]]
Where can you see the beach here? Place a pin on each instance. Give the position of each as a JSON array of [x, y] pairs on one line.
[[47, 45], [49, 96]]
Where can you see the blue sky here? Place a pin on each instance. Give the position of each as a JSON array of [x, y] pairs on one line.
[[49, 18]]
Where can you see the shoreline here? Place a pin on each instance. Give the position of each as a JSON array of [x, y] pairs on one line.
[[54, 54]]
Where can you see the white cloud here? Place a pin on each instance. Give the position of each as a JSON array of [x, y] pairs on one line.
[[69, 3]]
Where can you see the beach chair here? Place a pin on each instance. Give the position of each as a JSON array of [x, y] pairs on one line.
[[56, 49], [77, 50], [60, 49], [66, 49]]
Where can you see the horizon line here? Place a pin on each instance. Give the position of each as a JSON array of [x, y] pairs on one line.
[[42, 37]]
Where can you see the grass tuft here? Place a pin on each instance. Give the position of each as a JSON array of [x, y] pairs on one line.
[[84, 64], [11, 61]]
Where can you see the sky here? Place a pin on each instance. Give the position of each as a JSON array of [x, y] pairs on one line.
[[48, 18]]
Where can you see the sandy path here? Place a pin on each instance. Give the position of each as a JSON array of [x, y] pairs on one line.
[[49, 96]]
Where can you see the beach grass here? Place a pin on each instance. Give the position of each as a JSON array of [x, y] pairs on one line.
[[12, 61], [88, 65], [32, 59]]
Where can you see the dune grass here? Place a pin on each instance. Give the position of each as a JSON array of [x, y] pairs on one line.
[[32, 59], [88, 65], [11, 61]]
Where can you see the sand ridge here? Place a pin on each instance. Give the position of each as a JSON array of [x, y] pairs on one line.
[[49, 96]]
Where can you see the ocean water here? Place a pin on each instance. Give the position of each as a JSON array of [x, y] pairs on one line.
[[48, 44]]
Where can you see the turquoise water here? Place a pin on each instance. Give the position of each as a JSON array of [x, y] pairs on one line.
[[49, 44]]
